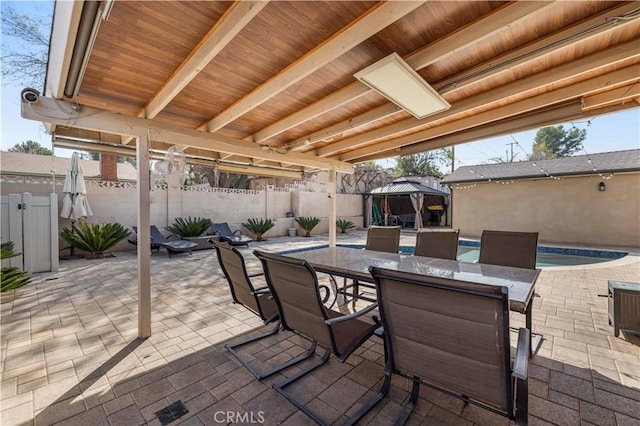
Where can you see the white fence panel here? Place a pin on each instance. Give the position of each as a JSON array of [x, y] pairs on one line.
[[31, 223]]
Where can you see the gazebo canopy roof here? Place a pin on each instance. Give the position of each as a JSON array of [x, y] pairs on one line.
[[403, 186], [269, 87]]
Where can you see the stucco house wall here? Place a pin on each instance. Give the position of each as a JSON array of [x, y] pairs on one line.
[[571, 210]]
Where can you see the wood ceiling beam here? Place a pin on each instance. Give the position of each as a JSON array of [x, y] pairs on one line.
[[544, 118], [48, 110], [367, 117], [539, 119], [129, 151], [235, 18], [239, 14], [616, 96], [596, 25], [372, 21], [478, 30], [483, 27], [544, 100], [605, 21], [502, 127], [554, 76]]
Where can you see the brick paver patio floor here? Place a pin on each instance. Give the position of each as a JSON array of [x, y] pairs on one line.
[[70, 353]]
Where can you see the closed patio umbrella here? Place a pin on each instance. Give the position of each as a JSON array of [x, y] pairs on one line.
[[75, 204]]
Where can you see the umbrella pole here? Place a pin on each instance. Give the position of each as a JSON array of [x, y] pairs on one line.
[[72, 255]]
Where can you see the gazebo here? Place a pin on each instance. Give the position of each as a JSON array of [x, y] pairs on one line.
[[408, 202]]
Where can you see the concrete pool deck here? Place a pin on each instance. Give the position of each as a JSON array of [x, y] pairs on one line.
[[70, 354]]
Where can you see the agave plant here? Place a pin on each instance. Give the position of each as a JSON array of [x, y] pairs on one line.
[[11, 277], [307, 223], [95, 238], [343, 225], [259, 227], [190, 227]]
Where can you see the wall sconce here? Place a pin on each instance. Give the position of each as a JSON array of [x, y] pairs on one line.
[[602, 186]]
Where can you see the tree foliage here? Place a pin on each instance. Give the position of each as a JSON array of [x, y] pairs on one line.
[[25, 45], [555, 141], [423, 164], [219, 180], [31, 147]]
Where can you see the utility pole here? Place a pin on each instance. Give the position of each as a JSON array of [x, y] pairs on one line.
[[512, 144]]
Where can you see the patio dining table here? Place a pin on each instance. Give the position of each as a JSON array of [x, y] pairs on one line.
[[354, 264]]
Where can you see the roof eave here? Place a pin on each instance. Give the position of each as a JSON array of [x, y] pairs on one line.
[[542, 176]]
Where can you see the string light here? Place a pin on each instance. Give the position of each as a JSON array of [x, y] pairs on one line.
[[593, 166], [535, 164]]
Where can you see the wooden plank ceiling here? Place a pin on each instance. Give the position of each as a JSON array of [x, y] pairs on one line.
[[280, 73]]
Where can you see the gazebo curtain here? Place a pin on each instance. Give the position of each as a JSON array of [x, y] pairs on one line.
[[368, 199], [417, 200]]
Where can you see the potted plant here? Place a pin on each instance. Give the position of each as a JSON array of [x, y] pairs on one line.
[[11, 277], [191, 229], [343, 225], [307, 223], [259, 227], [95, 238]]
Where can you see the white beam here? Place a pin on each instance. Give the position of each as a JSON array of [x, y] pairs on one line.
[[584, 65], [239, 14], [144, 237], [544, 118], [332, 207], [605, 21], [372, 21], [352, 123], [616, 96], [55, 111], [483, 27], [543, 100]]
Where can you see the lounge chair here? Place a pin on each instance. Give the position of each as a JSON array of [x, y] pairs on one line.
[[158, 240], [505, 248], [256, 299], [436, 243], [224, 233], [452, 336], [294, 286]]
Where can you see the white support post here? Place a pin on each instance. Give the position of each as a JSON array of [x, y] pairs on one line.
[[144, 238], [332, 207]]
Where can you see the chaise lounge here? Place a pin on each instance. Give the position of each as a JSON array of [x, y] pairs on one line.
[[158, 240], [224, 233]]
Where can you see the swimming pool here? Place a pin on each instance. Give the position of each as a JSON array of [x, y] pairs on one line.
[[469, 251]]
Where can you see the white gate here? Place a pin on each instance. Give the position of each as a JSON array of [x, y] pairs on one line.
[[31, 223]]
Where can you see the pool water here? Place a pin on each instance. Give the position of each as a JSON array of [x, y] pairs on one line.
[[543, 260], [469, 251]]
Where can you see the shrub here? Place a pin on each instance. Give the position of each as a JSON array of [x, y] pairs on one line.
[[307, 223], [11, 277], [259, 227], [190, 227], [343, 225], [95, 238]]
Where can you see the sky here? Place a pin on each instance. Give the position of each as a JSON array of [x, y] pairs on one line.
[[612, 132]]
